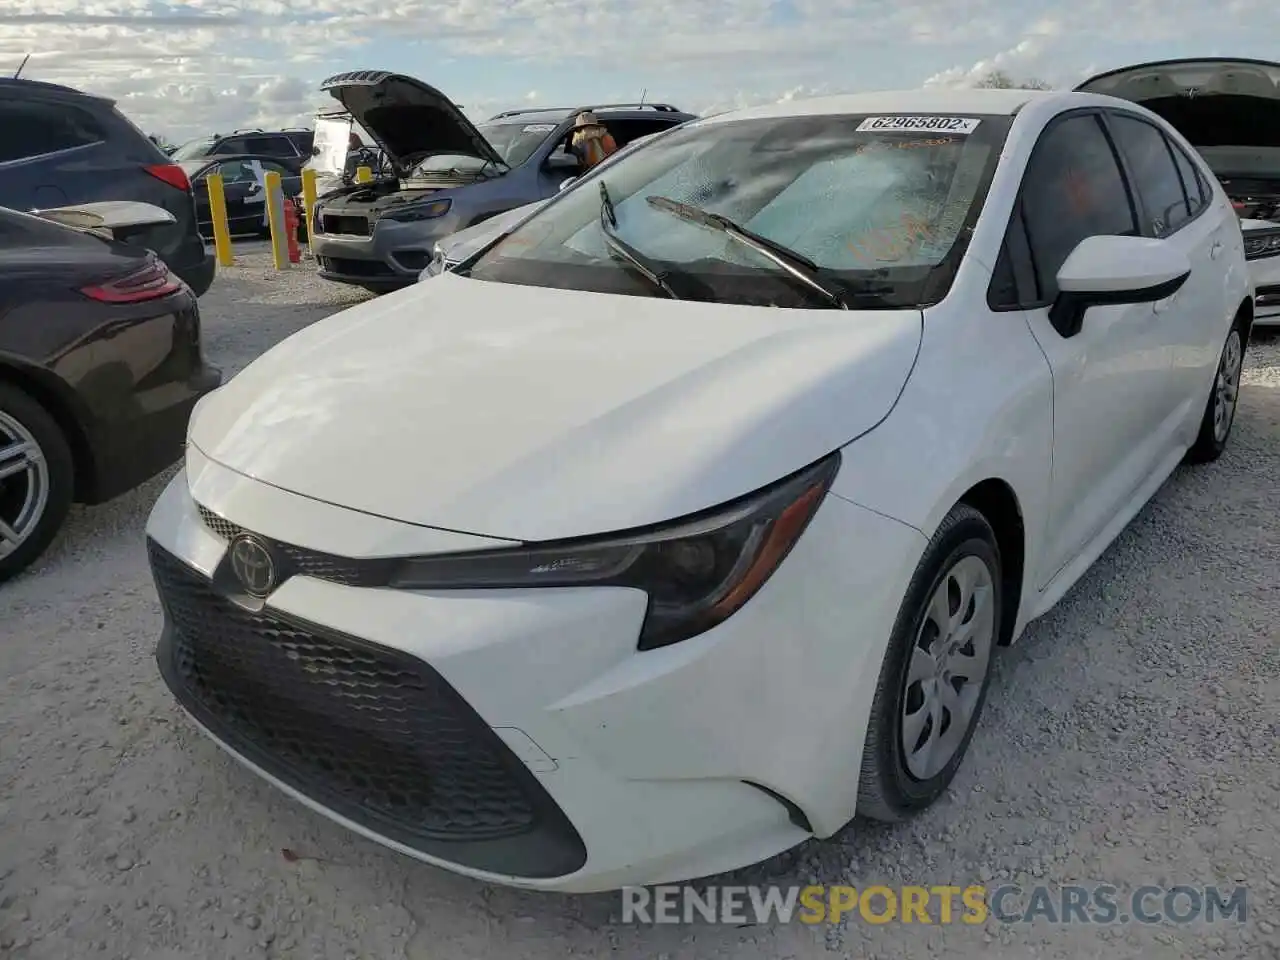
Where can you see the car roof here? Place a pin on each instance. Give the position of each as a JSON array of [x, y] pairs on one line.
[[943, 101], [560, 114], [16, 86], [210, 160]]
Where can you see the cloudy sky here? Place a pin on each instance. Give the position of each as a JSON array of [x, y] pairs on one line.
[[189, 67]]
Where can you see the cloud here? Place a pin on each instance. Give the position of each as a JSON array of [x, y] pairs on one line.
[[1024, 60], [188, 67]]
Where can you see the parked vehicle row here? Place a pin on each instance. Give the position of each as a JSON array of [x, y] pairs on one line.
[[61, 146], [684, 520], [450, 174]]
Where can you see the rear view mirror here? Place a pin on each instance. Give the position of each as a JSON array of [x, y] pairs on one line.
[[1108, 270]]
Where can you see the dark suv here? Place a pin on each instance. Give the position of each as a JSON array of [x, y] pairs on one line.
[[447, 173], [292, 146], [62, 147]]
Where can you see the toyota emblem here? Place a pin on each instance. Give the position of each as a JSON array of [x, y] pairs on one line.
[[253, 565]]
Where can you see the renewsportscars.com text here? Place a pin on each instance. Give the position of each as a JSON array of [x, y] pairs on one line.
[[943, 904]]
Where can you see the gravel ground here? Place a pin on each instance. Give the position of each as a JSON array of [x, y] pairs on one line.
[[1130, 739]]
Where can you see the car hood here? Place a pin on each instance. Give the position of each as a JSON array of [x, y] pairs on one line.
[[534, 414], [410, 120], [1217, 104], [460, 245]]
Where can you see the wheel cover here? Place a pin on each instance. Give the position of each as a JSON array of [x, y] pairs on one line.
[[24, 484], [1226, 391], [947, 667]]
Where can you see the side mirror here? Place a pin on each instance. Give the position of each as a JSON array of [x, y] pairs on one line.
[[1109, 270], [566, 184], [562, 161]]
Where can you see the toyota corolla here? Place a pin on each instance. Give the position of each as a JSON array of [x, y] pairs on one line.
[[683, 522]]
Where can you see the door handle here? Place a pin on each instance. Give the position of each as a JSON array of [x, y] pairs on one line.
[[1215, 250]]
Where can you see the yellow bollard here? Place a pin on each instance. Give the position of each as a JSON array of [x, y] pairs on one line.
[[218, 214], [275, 220], [309, 201], [364, 175]]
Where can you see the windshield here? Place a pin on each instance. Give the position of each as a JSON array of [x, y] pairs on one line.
[[515, 142], [872, 208], [194, 148]]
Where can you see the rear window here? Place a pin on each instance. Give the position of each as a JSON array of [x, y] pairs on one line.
[[34, 128]]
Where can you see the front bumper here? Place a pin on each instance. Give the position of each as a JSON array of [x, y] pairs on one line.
[[392, 256], [517, 736], [1265, 273]]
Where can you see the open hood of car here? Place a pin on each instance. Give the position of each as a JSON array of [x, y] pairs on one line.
[[531, 413], [410, 120], [1229, 109]]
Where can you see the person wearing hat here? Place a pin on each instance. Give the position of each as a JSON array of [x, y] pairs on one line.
[[591, 142]]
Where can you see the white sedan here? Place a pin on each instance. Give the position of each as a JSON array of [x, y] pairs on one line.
[[686, 520]]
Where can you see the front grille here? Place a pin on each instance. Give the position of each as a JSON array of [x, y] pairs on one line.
[[348, 226], [372, 734], [356, 268], [302, 562]]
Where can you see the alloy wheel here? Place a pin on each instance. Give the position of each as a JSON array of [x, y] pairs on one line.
[[947, 667], [24, 484], [1226, 390]]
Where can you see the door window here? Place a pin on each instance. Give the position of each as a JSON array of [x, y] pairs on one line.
[[1155, 176], [1072, 189], [1192, 180], [33, 129]]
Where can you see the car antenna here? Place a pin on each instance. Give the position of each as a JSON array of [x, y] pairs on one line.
[[22, 65]]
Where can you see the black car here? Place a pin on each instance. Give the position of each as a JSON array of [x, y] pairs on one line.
[[60, 146], [100, 365], [243, 188], [293, 146]]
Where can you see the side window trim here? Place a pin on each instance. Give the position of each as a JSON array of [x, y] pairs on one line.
[[1017, 218]]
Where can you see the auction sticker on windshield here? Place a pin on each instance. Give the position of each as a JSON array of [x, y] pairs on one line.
[[965, 125]]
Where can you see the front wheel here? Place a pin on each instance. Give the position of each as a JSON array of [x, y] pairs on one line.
[[36, 480], [933, 682], [1220, 411]]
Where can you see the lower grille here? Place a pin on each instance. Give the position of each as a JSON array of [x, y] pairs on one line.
[[349, 226], [372, 734], [356, 268]]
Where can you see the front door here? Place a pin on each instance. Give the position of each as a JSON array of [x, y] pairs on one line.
[[1111, 379]]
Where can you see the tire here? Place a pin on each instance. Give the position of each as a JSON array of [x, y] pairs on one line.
[[1224, 398], [896, 782], [33, 505]]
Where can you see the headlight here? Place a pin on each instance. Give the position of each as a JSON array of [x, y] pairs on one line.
[[412, 212], [697, 572], [436, 266], [1267, 245]]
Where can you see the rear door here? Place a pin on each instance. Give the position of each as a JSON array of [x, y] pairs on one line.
[[1172, 207], [1111, 378]]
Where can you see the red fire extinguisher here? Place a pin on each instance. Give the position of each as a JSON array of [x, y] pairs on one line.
[[291, 229]]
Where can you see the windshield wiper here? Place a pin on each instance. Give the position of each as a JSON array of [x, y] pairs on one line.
[[624, 250], [792, 261]]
